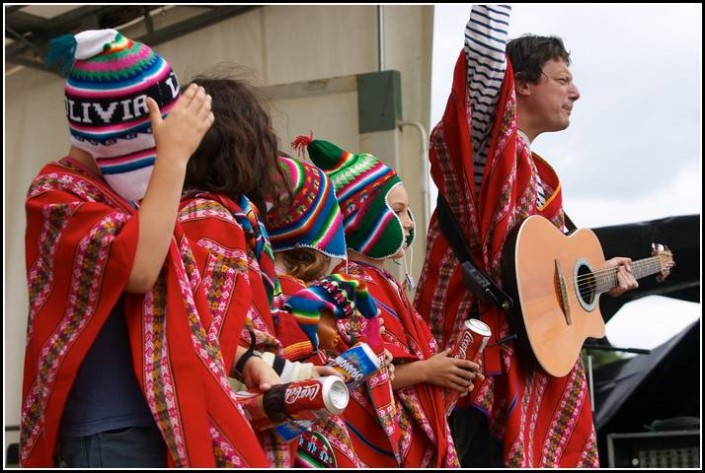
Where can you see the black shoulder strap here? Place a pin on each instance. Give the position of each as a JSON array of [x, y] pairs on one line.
[[474, 279], [569, 223], [451, 230]]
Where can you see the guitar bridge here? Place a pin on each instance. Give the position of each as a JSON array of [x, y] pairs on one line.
[[562, 292]]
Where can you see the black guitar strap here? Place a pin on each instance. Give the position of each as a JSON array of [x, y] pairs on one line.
[[569, 223], [473, 278]]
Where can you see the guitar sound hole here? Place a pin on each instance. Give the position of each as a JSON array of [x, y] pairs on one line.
[[586, 285]]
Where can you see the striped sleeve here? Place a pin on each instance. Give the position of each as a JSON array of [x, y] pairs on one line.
[[485, 41]]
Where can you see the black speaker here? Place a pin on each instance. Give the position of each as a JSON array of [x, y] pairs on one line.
[[670, 449]]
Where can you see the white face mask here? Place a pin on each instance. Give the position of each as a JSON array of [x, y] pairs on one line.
[[130, 185], [126, 164]]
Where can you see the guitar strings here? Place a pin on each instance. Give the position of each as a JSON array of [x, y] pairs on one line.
[[605, 274]]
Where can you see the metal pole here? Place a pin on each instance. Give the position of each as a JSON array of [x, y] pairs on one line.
[[425, 173], [380, 37]]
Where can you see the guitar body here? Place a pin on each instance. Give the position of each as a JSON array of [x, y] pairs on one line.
[[556, 302]]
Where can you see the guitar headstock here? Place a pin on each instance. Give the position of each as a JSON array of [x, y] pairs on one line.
[[666, 260]]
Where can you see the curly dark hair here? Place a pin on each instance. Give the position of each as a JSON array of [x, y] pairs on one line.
[[238, 155], [529, 53]]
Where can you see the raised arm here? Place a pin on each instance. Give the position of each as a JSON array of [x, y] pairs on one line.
[[485, 41], [177, 137]]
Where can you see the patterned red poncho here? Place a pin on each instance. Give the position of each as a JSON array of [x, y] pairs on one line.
[[413, 428], [80, 244], [543, 421], [238, 265]]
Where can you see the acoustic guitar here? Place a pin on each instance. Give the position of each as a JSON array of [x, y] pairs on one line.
[[556, 281]]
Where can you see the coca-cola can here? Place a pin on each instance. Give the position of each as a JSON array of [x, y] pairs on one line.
[[472, 340], [309, 399], [253, 405], [321, 397]]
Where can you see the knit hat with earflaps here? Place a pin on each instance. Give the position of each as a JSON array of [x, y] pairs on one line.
[[362, 183], [109, 80], [314, 219]]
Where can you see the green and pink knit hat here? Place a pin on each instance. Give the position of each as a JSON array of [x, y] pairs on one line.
[[362, 183], [314, 219], [109, 80]]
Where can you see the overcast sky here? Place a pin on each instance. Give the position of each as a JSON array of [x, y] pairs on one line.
[[633, 150]]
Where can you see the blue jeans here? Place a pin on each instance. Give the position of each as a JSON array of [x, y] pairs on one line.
[[133, 447]]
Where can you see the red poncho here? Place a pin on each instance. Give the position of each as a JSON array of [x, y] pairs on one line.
[[237, 264], [417, 432], [80, 244], [543, 421]]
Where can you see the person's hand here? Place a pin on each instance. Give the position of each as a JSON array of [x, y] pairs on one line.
[[328, 335], [479, 378], [388, 357], [259, 375], [390, 371], [451, 373], [625, 278], [179, 135], [387, 362]]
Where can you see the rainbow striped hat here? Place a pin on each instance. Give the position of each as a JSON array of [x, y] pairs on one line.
[[314, 220], [109, 79], [362, 183]]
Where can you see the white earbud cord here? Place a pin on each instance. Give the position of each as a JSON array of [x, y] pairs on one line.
[[410, 284]]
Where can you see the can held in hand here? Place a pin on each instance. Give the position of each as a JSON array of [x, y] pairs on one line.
[[356, 364], [310, 399], [472, 340]]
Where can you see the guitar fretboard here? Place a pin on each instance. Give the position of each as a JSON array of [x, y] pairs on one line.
[[606, 279]]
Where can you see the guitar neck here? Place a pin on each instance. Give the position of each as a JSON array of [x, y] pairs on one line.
[[607, 279]]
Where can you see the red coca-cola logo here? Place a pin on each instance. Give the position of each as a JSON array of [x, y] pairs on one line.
[[464, 343], [297, 393]]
